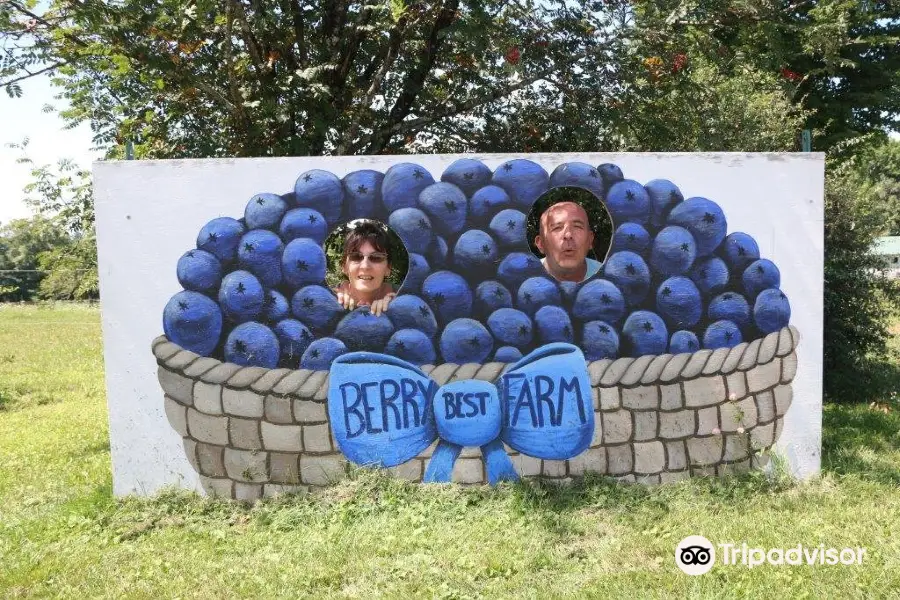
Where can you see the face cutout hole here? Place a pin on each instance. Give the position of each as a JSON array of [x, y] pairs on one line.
[[365, 254], [599, 220]]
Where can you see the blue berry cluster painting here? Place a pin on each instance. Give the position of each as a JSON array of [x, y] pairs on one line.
[[675, 280]]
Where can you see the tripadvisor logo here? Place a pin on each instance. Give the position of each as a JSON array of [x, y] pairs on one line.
[[695, 555]]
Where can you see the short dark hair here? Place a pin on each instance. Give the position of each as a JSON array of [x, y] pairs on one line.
[[367, 231]]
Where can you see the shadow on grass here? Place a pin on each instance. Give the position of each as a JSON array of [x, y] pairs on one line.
[[860, 441]]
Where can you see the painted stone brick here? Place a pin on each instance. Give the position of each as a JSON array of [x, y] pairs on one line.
[[764, 376], [307, 411], [704, 391], [759, 461], [783, 396], [242, 403], [765, 406], [609, 398], [278, 409], [645, 425], [190, 450], [526, 466], [270, 490], [247, 492], [217, 488], [616, 427], [618, 459], [554, 468], [731, 417], [410, 470], [246, 465], [211, 460], [649, 457], [673, 425], [316, 438], [707, 420], [467, 470], [285, 438], [737, 447], [284, 467], [647, 479], [737, 385], [641, 398], [589, 461], [762, 436], [789, 368], [747, 407], [676, 456], [244, 433], [177, 416], [176, 385], [705, 451], [674, 477], [321, 470], [207, 428], [670, 397], [208, 398]]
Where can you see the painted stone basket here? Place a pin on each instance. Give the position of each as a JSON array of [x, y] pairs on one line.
[[252, 432]]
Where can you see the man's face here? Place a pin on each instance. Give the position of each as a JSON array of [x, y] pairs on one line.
[[565, 239]]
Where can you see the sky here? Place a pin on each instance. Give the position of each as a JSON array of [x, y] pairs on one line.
[[49, 142]]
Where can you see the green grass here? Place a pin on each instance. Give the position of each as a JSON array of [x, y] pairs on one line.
[[62, 534]]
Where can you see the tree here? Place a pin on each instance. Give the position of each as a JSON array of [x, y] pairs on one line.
[[21, 242]]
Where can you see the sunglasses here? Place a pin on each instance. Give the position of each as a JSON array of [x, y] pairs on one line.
[[375, 257]]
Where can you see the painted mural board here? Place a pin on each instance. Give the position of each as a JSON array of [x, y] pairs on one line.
[[648, 409]]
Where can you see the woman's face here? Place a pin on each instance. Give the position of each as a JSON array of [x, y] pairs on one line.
[[366, 275]]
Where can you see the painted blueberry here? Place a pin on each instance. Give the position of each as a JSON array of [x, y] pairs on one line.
[[264, 211], [516, 267], [630, 274], [644, 333], [487, 202], [507, 354], [536, 292], [303, 223], [275, 307], [508, 228], [523, 180], [730, 306], [632, 237], [577, 174], [412, 312], [293, 339], [683, 342], [414, 228], [664, 196], [449, 296], [739, 250], [553, 325], [475, 254], [771, 311], [760, 275], [569, 289], [402, 184], [437, 253], [673, 252], [252, 344], [467, 174], [710, 275], [303, 263], [362, 194], [220, 237], [610, 174], [417, 270], [241, 296], [322, 191], [678, 301], [321, 353], [260, 253], [446, 205], [361, 330], [193, 321], [627, 201], [511, 327], [599, 300], [412, 346], [489, 296], [199, 271], [599, 340], [704, 219], [722, 334], [466, 341], [317, 308]]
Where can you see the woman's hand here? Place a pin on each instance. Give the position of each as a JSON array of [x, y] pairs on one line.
[[379, 306], [346, 300]]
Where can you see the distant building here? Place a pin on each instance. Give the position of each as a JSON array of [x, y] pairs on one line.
[[888, 248]]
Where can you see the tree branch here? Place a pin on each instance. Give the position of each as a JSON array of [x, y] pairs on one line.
[[29, 74]]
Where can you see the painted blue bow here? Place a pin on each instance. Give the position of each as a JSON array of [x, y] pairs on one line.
[[385, 411]]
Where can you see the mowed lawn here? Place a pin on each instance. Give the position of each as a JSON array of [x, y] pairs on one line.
[[62, 534]]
